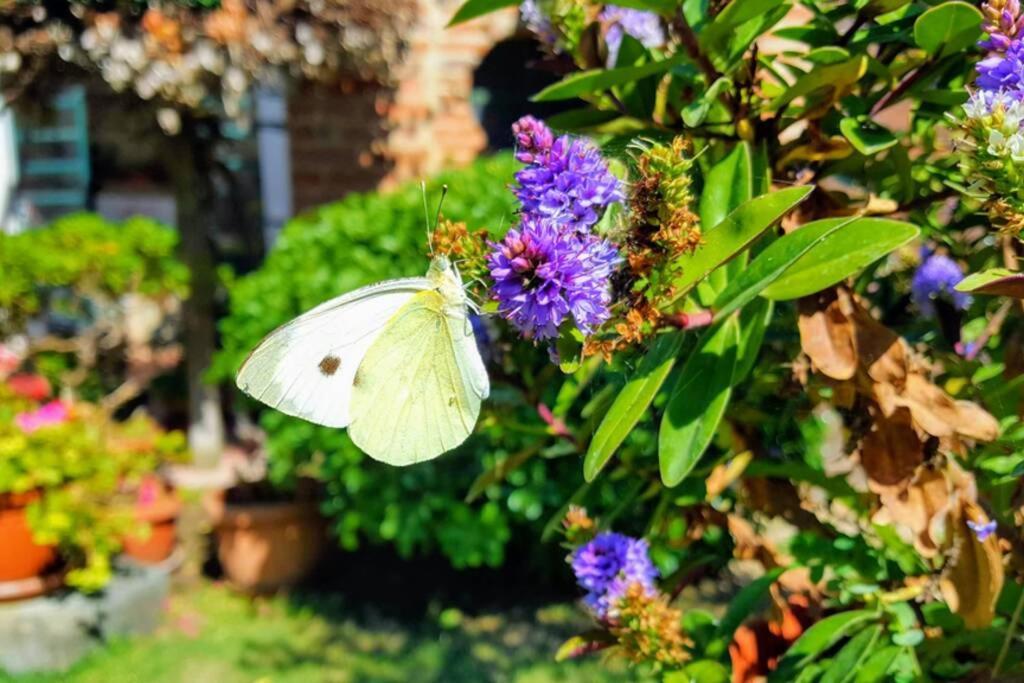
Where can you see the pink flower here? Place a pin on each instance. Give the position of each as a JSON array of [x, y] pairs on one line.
[[47, 415]]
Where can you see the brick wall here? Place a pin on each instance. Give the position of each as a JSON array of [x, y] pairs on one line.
[[361, 136]]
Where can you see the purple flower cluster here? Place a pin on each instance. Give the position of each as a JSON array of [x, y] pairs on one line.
[[567, 181], [1003, 22], [552, 266], [607, 565], [1002, 70], [644, 26], [936, 275], [535, 20], [544, 273]]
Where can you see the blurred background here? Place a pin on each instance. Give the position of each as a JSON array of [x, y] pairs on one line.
[[176, 179]]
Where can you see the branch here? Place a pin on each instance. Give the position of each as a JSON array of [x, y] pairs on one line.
[[908, 81], [692, 46]]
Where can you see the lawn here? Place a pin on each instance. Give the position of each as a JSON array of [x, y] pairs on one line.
[[213, 635]]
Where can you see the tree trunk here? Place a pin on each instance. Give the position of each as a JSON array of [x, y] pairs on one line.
[[190, 164]]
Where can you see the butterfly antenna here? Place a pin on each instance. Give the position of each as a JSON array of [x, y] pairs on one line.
[[426, 218], [440, 203]]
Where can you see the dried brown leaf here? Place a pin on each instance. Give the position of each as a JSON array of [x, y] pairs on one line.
[[891, 452], [975, 578], [827, 335]]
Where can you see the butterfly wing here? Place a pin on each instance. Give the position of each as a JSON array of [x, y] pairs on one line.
[[417, 392], [306, 367]]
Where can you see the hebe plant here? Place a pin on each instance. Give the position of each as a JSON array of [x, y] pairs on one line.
[[747, 257]]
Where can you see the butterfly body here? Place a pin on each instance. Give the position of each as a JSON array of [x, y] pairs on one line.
[[396, 363]]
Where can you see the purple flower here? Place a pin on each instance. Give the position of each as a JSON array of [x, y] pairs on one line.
[[537, 22], [982, 530], [1003, 21], [570, 182], [533, 140], [607, 565], [644, 26], [936, 275], [1004, 71], [544, 273]]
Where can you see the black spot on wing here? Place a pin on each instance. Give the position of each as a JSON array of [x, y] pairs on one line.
[[329, 365]]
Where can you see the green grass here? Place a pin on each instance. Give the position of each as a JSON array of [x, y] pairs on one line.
[[212, 635]]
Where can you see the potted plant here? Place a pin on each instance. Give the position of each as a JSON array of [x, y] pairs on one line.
[[141, 441], [267, 538]]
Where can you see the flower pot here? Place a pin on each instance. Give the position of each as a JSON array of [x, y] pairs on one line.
[[161, 515], [265, 546], [20, 556]]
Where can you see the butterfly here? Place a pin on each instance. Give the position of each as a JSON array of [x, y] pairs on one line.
[[395, 362]]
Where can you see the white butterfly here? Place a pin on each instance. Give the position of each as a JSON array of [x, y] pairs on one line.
[[395, 362]]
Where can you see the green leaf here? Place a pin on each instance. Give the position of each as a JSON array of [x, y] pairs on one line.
[[877, 664], [701, 671], [846, 664], [841, 254], [728, 184], [998, 281], [632, 402], [597, 80], [867, 137], [735, 233], [818, 638], [745, 603], [754, 321], [695, 112], [948, 28], [697, 402], [472, 9], [714, 38], [832, 76], [772, 263], [656, 6]]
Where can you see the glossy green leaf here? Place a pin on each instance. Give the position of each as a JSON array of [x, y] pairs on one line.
[[715, 36], [598, 80], [728, 184], [656, 6], [694, 113], [697, 402], [471, 9], [834, 76], [632, 402], [744, 603], [948, 28], [867, 137], [772, 263], [853, 247], [846, 663], [735, 233], [998, 281], [754, 321], [877, 664], [701, 671], [819, 638]]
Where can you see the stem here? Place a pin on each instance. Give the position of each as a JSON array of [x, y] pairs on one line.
[[689, 321], [901, 88], [1005, 649], [691, 44], [994, 325]]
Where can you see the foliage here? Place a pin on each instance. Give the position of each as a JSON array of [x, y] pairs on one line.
[[86, 469], [90, 256], [445, 505], [782, 367], [200, 55]]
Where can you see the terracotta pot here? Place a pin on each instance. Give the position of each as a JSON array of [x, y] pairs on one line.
[[263, 547], [162, 517], [20, 556]]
